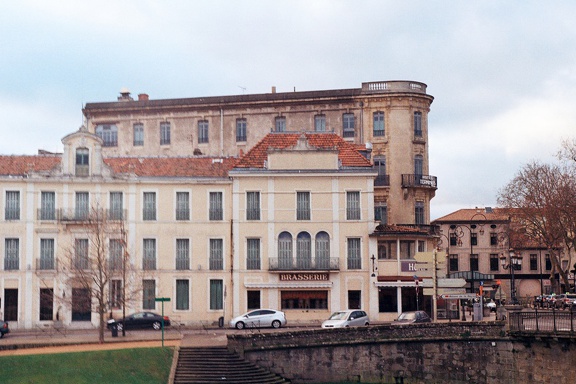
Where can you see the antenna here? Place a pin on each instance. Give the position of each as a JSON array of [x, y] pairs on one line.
[[242, 88]]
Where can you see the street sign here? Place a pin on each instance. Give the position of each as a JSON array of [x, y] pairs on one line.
[[162, 299], [444, 283], [459, 296], [443, 291]]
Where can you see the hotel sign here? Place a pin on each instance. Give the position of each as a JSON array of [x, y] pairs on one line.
[[304, 277]]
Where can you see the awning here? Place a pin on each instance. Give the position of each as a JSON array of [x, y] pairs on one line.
[[290, 285]]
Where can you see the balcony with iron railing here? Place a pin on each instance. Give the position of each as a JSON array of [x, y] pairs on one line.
[[79, 215], [46, 264], [419, 181], [382, 181], [304, 264]]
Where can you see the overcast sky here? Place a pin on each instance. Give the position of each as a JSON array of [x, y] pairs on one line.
[[503, 73]]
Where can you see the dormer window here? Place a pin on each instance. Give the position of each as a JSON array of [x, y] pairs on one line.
[[82, 162]]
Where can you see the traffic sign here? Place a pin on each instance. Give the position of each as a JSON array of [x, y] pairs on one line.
[[444, 283], [162, 299], [443, 291]]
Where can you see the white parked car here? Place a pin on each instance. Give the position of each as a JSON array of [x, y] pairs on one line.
[[259, 318], [345, 319]]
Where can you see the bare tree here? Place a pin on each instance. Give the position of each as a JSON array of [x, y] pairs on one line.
[[97, 257], [537, 196]]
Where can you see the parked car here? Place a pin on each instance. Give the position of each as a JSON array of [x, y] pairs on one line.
[[345, 319], [259, 318], [4, 329], [413, 317], [565, 300], [140, 320]]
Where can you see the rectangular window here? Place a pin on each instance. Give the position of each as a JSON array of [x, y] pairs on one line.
[[252, 205], [418, 124], [354, 260], [116, 251], [253, 254], [354, 299], [46, 304], [381, 213], [533, 262], [203, 131], [182, 254], [548, 263], [383, 252], [116, 294], [216, 206], [353, 205], [149, 255], [302, 205], [304, 299], [494, 262], [216, 294], [183, 294], [216, 254], [473, 238], [47, 205], [82, 210], [12, 205], [82, 162], [280, 124], [138, 134], [493, 239], [148, 294], [453, 239], [419, 213], [378, 124], [421, 246], [116, 210], [108, 133], [253, 299], [387, 300], [240, 129], [165, 133], [11, 254], [474, 262], [81, 304], [46, 254], [320, 123], [81, 260], [453, 263], [182, 206], [348, 125], [149, 206]]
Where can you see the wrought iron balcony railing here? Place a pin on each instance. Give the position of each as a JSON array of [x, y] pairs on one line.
[[304, 264], [419, 181]]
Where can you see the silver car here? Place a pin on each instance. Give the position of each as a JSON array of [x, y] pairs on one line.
[[259, 318], [345, 319]]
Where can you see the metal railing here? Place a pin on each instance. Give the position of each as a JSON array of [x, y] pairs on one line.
[[542, 321], [421, 181], [295, 264]]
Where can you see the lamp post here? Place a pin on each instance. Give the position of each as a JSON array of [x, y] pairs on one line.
[[511, 264], [374, 268]]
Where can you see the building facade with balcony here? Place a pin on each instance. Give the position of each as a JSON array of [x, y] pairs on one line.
[[482, 246]]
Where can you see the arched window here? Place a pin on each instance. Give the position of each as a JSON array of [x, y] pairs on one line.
[[322, 251], [304, 250], [285, 251]]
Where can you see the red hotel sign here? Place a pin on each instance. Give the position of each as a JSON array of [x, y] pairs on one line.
[[303, 277]]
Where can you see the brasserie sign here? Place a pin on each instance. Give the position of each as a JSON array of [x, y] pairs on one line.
[[303, 277]]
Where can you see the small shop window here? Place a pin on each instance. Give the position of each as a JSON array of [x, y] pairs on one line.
[[304, 299]]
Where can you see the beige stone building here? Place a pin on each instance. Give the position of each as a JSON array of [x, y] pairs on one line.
[[307, 202]]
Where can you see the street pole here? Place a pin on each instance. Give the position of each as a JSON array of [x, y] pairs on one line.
[[435, 286]]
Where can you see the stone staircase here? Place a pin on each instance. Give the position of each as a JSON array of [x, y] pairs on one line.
[[203, 365]]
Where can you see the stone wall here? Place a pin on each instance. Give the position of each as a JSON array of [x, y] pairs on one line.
[[432, 353]]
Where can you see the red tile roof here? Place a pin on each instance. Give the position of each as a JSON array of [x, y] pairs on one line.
[[475, 214], [22, 165], [347, 152], [147, 167], [172, 166]]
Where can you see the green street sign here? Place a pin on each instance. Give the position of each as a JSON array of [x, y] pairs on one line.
[[162, 299]]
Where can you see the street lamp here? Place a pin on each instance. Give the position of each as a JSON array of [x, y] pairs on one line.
[[514, 262], [374, 268]]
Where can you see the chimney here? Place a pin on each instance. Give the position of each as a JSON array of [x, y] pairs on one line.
[[124, 95], [143, 97], [273, 89]]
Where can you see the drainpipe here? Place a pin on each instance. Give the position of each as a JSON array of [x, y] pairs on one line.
[[221, 132]]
